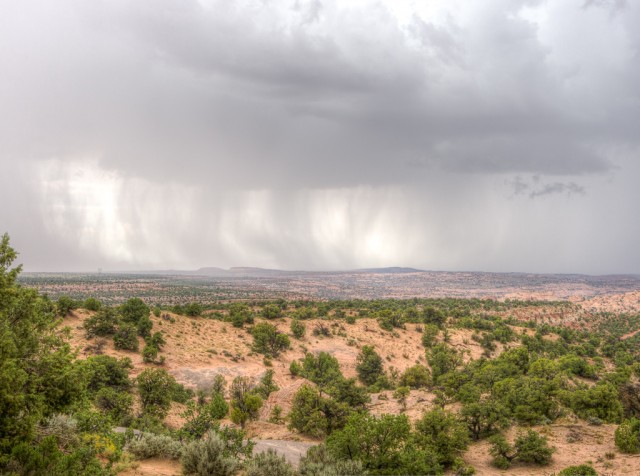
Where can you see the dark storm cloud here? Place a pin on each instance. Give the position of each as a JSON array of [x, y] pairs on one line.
[[537, 188], [301, 133], [142, 84]]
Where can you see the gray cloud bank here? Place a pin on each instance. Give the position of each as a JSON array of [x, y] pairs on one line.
[[498, 135]]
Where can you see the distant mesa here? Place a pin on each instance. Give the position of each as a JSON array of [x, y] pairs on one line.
[[241, 271], [390, 270], [253, 272]]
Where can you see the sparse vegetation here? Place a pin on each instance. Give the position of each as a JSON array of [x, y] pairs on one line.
[[479, 371]]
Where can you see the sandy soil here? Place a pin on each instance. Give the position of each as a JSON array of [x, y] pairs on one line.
[[576, 443]]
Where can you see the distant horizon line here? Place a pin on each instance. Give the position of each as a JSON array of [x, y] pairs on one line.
[[239, 270]]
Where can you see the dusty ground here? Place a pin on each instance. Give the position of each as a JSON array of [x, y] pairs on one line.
[[576, 443]]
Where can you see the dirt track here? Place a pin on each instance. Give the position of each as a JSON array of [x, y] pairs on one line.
[[292, 450]]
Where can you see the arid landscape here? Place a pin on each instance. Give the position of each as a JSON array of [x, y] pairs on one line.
[[389, 283], [200, 347]]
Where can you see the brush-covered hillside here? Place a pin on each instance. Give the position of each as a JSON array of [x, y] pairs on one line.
[[420, 386]]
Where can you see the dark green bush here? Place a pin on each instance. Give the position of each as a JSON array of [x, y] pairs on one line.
[[193, 309], [92, 304], [150, 354], [65, 305], [103, 323], [155, 389], [115, 403], [126, 338], [580, 470], [315, 415], [417, 376], [298, 329], [271, 311], [267, 340], [240, 314], [133, 311], [106, 371], [529, 447], [369, 365]]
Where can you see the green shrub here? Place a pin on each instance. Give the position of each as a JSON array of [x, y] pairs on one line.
[[601, 401], [65, 305], [90, 421], [322, 370], [245, 403], [376, 442], [150, 354], [483, 418], [92, 304], [193, 309], [347, 391], [417, 376], [460, 468], [533, 448], [627, 436], [442, 359], [276, 415], [295, 368], [444, 433], [103, 323], [115, 403], [179, 393], [267, 385], [315, 415], [581, 470], [156, 340], [369, 365], [431, 315], [126, 338], [271, 311], [529, 447], [149, 445], [106, 371], [529, 399], [207, 457], [144, 326], [298, 329], [239, 314], [218, 385], [269, 463], [401, 394], [217, 408], [429, 335], [133, 311], [155, 387], [267, 340], [46, 458], [202, 415]]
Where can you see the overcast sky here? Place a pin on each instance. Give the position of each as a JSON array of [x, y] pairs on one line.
[[495, 135]]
